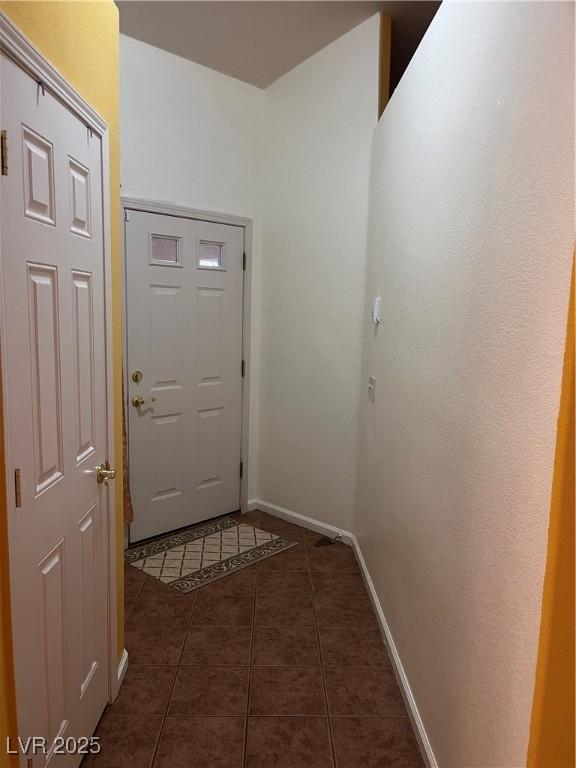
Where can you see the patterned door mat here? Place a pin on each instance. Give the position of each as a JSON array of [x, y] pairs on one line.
[[196, 556]]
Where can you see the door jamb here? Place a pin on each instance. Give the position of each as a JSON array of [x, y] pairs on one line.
[[171, 209], [15, 45]]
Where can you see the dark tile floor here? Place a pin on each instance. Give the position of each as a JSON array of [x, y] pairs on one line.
[[277, 666]]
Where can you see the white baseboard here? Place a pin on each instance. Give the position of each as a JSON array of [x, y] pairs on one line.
[[331, 531], [401, 677], [122, 667], [349, 538]]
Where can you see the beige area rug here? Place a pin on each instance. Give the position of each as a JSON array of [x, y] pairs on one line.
[[196, 556]]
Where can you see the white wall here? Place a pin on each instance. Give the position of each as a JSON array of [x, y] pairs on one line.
[[470, 242], [319, 122], [189, 135]]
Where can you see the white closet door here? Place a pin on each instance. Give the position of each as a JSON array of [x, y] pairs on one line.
[[55, 412]]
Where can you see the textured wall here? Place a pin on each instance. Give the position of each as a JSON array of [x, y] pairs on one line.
[[319, 123], [189, 135], [470, 241]]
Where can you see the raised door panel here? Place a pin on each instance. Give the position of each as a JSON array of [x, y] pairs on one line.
[[168, 471], [210, 434], [83, 333], [51, 626], [79, 198], [38, 167], [88, 596], [209, 332], [45, 370], [166, 326]]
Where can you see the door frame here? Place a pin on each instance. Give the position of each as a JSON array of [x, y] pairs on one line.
[[15, 45], [183, 212]]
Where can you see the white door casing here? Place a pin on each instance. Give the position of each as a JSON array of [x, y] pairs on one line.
[[57, 409], [183, 314]]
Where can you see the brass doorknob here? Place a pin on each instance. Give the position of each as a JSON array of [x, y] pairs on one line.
[[138, 400], [104, 473]]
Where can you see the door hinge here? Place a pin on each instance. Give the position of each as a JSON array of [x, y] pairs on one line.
[[17, 488], [243, 368], [4, 152], [244, 262], [126, 214], [241, 469]]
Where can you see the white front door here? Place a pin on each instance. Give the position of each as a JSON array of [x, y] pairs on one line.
[[184, 335], [55, 412]]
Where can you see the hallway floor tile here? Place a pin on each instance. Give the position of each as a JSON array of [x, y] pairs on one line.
[[279, 665]]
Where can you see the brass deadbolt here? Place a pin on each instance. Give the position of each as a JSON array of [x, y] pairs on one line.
[[138, 400]]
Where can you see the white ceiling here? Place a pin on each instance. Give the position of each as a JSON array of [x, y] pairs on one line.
[[258, 42]]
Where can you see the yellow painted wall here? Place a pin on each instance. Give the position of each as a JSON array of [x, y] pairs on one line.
[[81, 39], [552, 728]]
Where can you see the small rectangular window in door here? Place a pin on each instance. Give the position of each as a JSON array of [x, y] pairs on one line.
[[165, 250], [210, 255]]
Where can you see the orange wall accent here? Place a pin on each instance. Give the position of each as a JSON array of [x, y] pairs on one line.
[[81, 39], [552, 728]]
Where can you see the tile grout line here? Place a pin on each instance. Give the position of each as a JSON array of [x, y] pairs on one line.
[[309, 571], [250, 667], [178, 665], [278, 717], [127, 616]]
